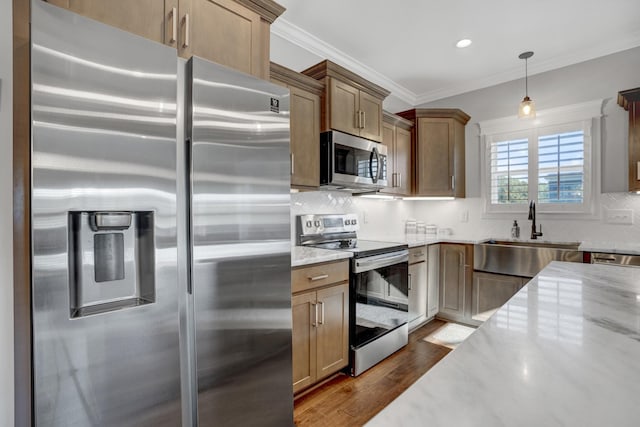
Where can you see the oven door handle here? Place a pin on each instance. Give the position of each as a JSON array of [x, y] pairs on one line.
[[379, 261]]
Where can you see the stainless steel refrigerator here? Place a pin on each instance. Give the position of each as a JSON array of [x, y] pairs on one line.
[[160, 234]]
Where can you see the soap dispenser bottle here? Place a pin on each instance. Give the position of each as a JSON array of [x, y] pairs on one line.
[[515, 230]]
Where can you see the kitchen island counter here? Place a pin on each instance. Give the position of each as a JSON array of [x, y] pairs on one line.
[[565, 351]]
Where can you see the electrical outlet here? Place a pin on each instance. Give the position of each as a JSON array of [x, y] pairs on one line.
[[619, 216], [464, 215], [365, 220]]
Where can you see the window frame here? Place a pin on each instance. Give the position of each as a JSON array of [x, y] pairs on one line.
[[585, 117]]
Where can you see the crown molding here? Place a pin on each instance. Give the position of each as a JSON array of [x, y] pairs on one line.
[[311, 43], [296, 35]]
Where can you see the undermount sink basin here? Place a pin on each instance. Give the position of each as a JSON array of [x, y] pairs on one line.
[[522, 258], [564, 245]]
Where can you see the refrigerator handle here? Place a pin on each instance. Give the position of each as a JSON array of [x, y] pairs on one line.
[[189, 192]]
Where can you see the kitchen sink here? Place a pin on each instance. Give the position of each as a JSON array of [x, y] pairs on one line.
[[522, 258]]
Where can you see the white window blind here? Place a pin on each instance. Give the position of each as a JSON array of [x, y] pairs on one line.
[[549, 160], [561, 168], [509, 163]]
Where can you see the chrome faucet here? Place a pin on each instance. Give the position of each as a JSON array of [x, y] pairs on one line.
[[532, 216]]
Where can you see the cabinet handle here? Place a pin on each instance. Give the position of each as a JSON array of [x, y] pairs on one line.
[[409, 281], [393, 180], [638, 171], [320, 277], [453, 182], [399, 179], [364, 119], [314, 322], [357, 119], [321, 304], [186, 30], [174, 25], [292, 164]]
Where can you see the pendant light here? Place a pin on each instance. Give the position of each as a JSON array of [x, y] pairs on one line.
[[527, 107]]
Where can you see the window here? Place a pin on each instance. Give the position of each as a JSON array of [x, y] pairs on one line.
[[547, 160]]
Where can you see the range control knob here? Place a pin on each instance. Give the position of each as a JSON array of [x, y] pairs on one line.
[[354, 222], [309, 224], [347, 222], [316, 223]]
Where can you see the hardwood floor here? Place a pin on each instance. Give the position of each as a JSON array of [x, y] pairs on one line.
[[347, 401]]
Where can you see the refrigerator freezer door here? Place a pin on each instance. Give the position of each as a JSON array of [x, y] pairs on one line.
[[104, 286], [241, 247]]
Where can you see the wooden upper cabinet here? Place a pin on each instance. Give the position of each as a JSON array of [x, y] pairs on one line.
[[350, 103], [343, 108], [371, 121], [305, 125], [234, 33], [439, 144], [630, 101], [145, 18], [396, 135]]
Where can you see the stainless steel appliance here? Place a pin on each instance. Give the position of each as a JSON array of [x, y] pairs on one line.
[[615, 259], [160, 288], [379, 286], [351, 163]]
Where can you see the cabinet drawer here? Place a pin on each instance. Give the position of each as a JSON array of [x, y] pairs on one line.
[[305, 278], [418, 254]]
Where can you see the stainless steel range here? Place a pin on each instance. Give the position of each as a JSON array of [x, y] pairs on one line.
[[378, 296]]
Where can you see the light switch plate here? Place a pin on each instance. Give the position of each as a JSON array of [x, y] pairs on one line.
[[464, 215], [619, 216]]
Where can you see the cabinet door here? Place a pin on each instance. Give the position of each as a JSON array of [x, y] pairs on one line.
[[435, 151], [417, 291], [403, 161], [344, 102], [371, 122], [388, 140], [225, 32], [333, 329], [433, 279], [146, 18], [490, 292], [634, 146], [452, 280], [304, 340], [305, 138]]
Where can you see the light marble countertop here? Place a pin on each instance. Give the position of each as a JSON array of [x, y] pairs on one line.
[[304, 255], [564, 351]]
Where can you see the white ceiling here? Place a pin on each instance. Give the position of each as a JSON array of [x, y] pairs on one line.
[[408, 46]]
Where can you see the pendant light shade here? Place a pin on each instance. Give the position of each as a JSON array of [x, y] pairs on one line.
[[527, 108]]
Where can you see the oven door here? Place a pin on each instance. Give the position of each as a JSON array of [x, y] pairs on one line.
[[379, 296], [354, 162]]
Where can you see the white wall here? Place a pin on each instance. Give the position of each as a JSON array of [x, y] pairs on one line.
[[6, 218], [601, 78]]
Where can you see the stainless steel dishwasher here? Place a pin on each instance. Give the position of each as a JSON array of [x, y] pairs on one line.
[[615, 259]]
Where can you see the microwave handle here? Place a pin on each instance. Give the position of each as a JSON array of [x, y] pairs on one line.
[[374, 152]]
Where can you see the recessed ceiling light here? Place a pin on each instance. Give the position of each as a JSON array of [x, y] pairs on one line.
[[463, 43]]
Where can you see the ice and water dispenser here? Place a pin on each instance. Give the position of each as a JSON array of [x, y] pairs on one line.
[[112, 261]]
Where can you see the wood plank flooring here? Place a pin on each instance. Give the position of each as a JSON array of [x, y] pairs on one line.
[[347, 401]]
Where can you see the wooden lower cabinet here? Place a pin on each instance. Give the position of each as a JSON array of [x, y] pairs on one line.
[[320, 332], [433, 278], [456, 270], [417, 286], [492, 291]]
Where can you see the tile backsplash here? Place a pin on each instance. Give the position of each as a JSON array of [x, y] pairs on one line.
[[384, 219]]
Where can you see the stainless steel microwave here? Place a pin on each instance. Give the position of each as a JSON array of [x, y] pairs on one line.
[[351, 163]]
